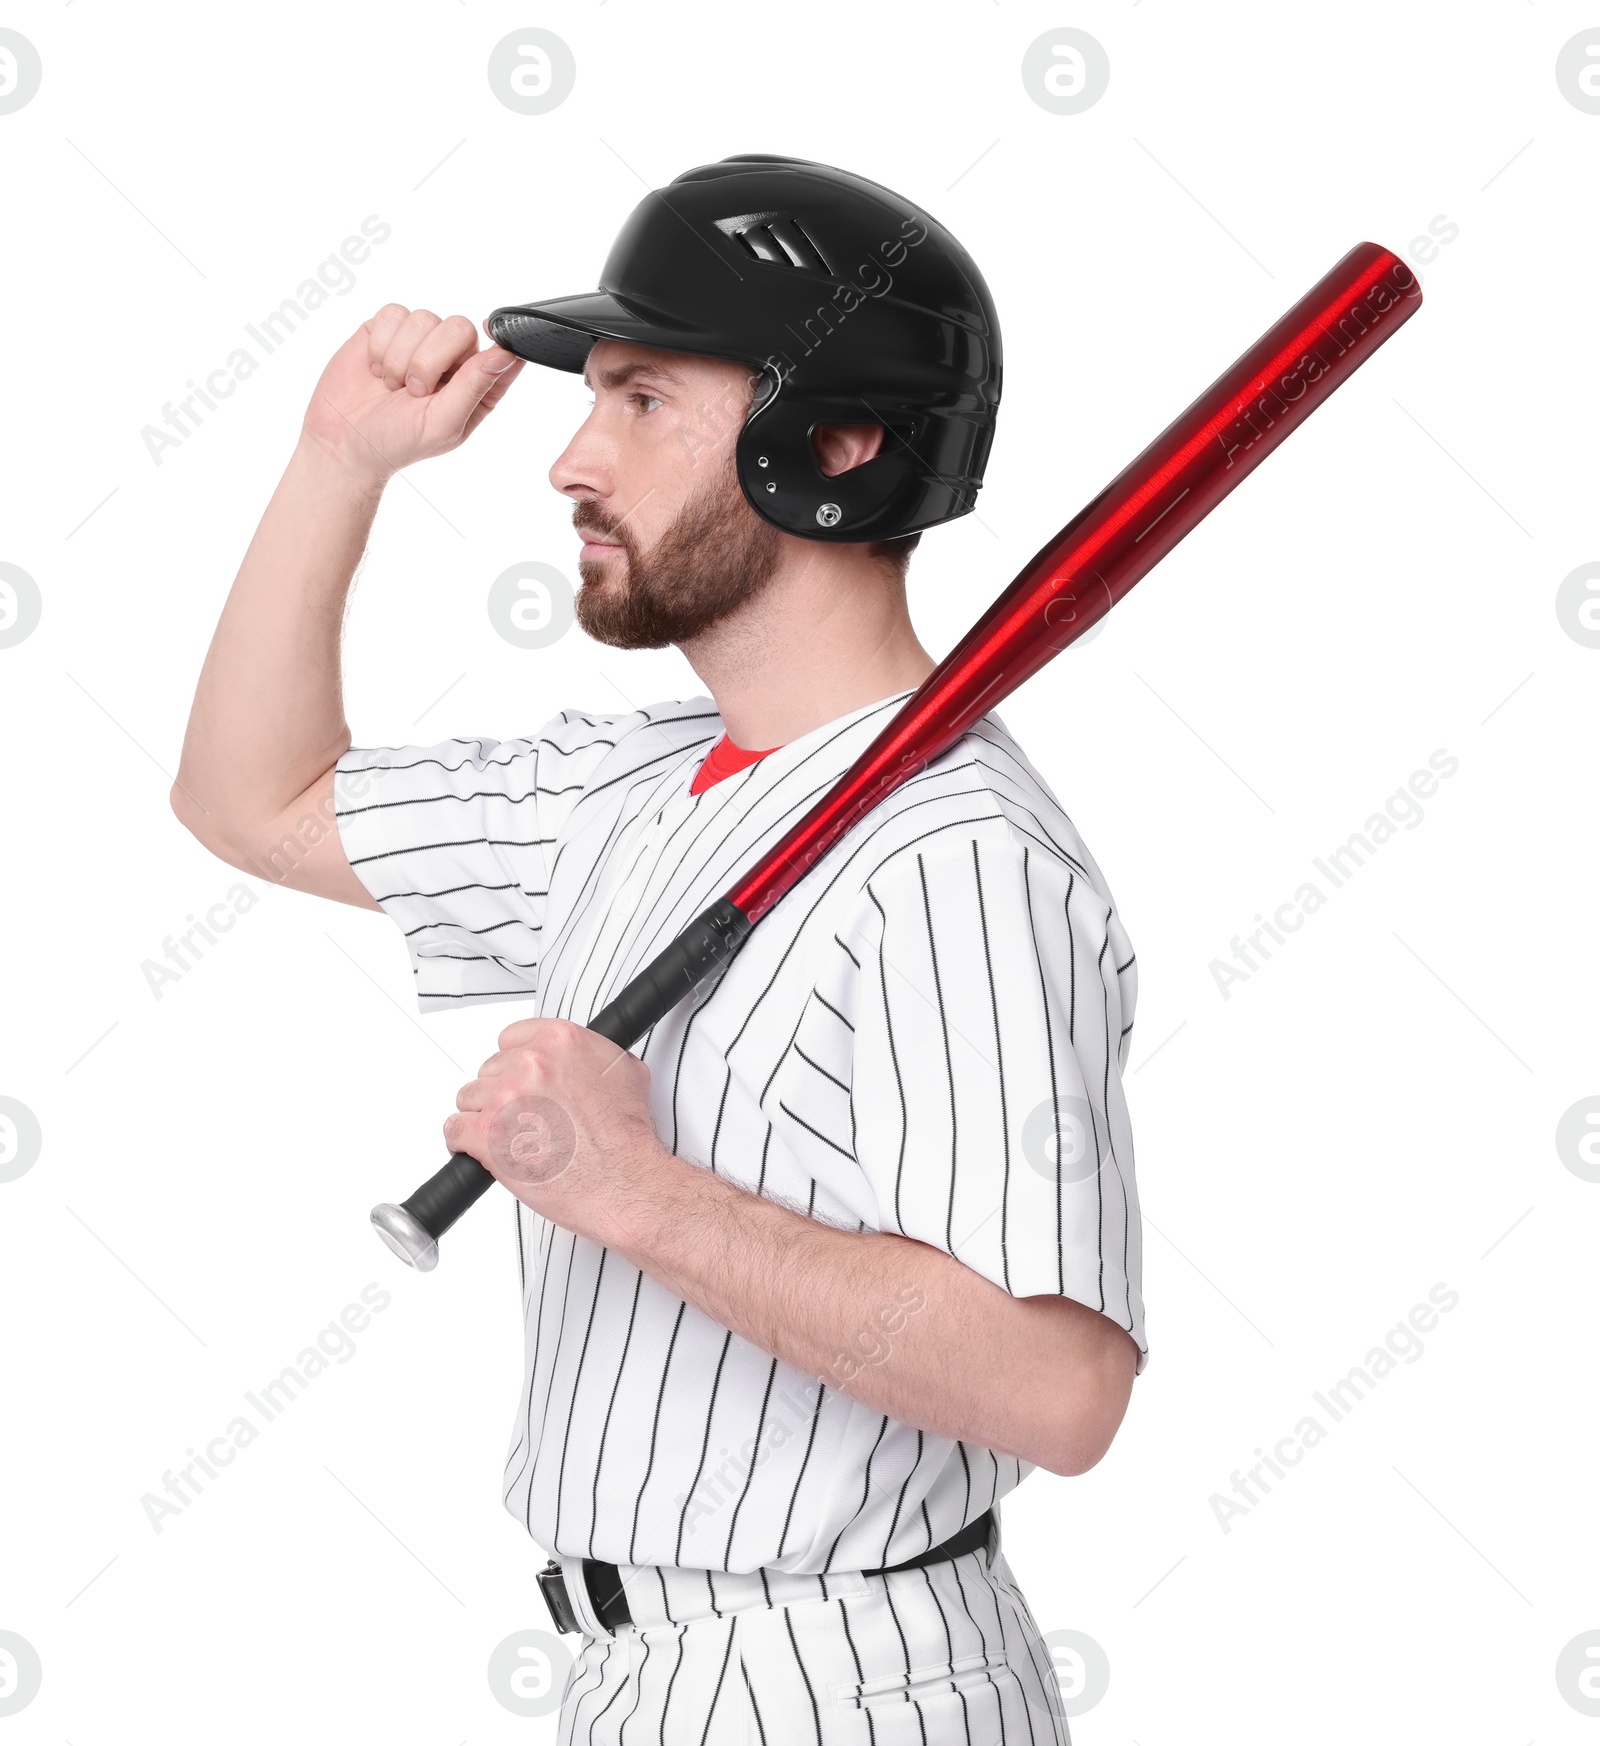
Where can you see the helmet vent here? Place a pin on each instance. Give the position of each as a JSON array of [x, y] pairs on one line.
[[776, 238]]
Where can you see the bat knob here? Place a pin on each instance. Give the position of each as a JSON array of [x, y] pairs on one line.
[[406, 1236]]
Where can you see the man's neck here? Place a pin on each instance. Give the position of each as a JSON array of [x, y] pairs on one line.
[[829, 634]]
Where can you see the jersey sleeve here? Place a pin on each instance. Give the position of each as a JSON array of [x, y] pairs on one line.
[[992, 1016], [453, 842]]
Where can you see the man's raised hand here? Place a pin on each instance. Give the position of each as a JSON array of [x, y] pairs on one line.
[[405, 386]]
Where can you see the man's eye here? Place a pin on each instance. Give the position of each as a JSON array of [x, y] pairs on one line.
[[640, 398]]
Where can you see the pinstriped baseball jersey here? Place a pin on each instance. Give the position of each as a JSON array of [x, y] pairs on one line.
[[925, 1036]]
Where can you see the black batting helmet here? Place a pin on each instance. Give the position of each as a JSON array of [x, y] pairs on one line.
[[854, 305]]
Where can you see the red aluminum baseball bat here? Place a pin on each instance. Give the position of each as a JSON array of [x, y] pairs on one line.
[[1205, 453]]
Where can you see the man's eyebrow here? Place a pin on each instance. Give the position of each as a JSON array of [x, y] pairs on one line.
[[619, 374]]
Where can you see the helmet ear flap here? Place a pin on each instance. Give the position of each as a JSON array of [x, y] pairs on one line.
[[783, 483]]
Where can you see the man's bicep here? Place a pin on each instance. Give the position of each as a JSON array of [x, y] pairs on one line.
[[304, 850], [300, 848]]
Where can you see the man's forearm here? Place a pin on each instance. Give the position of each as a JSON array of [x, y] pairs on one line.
[[256, 783], [898, 1325], [268, 714]]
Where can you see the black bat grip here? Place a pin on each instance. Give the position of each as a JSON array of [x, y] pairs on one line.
[[413, 1228]]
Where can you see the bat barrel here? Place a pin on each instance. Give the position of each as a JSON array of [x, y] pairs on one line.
[[1161, 496]]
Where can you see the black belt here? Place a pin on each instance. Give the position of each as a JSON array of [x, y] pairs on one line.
[[611, 1605]]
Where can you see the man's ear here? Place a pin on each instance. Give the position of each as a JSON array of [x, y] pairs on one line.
[[839, 447]]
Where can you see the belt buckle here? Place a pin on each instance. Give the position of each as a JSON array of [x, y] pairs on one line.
[[552, 1585]]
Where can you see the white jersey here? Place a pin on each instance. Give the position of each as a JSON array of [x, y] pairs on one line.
[[925, 1036]]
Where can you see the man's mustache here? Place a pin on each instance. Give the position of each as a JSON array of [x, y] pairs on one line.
[[602, 529]]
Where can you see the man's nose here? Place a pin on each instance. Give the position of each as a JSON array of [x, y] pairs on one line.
[[582, 470]]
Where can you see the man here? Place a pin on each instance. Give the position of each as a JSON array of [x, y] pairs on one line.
[[851, 1242]]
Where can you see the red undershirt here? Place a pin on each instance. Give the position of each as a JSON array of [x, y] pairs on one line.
[[724, 759]]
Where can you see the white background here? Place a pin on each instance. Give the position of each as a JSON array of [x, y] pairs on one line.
[[1368, 1115]]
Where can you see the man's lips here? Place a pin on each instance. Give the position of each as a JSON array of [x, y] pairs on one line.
[[593, 545]]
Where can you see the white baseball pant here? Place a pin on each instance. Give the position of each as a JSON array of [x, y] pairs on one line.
[[945, 1655]]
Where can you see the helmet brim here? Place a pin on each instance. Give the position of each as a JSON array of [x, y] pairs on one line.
[[559, 331]]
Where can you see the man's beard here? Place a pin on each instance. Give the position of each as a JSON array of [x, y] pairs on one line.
[[714, 557]]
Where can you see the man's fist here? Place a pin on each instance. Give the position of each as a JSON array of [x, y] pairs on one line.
[[562, 1117], [405, 386]]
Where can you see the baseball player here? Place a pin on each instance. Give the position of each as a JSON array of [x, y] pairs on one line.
[[849, 1243]]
